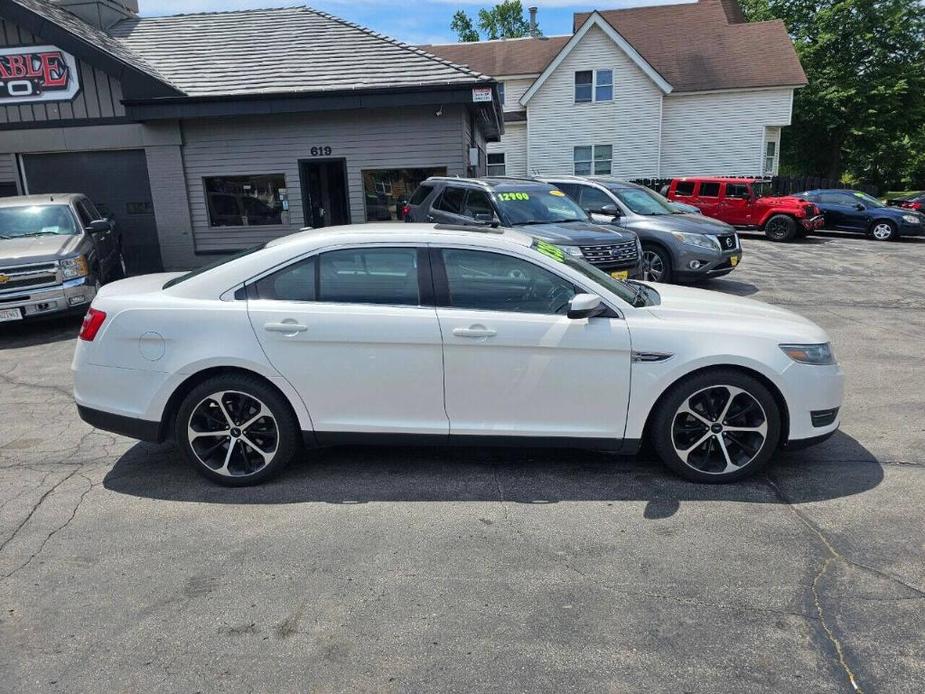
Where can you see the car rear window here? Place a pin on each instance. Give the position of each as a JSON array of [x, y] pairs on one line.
[[211, 266], [420, 194], [684, 188]]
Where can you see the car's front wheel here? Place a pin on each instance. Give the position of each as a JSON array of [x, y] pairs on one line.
[[780, 227], [656, 264], [883, 230], [236, 430], [717, 426]]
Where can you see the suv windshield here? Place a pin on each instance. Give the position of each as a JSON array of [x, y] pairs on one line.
[[36, 220], [538, 206], [762, 189], [643, 201]]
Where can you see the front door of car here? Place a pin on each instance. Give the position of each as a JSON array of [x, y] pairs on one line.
[[856, 214], [707, 196], [515, 364], [352, 331], [735, 204]]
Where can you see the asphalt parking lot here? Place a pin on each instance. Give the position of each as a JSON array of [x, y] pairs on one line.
[[483, 570]]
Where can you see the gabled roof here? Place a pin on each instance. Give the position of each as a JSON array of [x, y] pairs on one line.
[[700, 46], [595, 20], [280, 51]]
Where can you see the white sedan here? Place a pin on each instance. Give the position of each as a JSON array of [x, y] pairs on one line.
[[384, 333]]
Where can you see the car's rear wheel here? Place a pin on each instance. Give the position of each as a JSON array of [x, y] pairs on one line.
[[656, 264], [718, 426], [236, 430], [883, 230], [780, 227]]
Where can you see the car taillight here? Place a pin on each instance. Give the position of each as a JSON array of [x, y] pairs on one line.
[[93, 321], [405, 211], [915, 205]]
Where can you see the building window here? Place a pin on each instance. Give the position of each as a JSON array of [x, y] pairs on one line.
[[584, 86], [593, 85], [501, 92], [770, 153], [496, 165], [387, 191], [603, 85], [597, 159], [235, 201]]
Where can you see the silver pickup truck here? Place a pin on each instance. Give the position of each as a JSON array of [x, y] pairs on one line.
[[55, 252]]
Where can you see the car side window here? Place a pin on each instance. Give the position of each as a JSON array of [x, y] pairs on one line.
[[593, 199], [478, 202], [709, 190], [293, 283], [736, 190], [488, 281], [830, 198], [571, 189], [369, 276], [684, 188], [451, 200]]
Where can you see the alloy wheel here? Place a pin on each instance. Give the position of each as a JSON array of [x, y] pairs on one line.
[[233, 434], [882, 231], [653, 268], [719, 430], [776, 228]]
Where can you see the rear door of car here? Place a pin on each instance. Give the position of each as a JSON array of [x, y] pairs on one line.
[[448, 206], [355, 331]]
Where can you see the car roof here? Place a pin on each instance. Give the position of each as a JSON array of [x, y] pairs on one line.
[[606, 181], [849, 191], [724, 179], [493, 182], [46, 199]]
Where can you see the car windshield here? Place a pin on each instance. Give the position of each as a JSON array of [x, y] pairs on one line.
[[643, 201], [762, 189], [36, 220], [866, 199], [210, 266], [538, 206], [634, 294]]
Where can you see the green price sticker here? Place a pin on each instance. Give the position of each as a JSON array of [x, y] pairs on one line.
[[550, 250], [506, 197]]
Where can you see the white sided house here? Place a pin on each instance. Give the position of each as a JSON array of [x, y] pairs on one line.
[[649, 92]]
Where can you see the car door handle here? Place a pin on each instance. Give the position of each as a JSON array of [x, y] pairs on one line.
[[475, 331], [430, 218], [286, 327]]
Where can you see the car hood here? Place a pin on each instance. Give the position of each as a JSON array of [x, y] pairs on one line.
[[689, 223], [38, 249], [577, 233], [711, 310]]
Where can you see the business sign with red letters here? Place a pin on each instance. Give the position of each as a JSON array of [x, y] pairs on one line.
[[31, 74]]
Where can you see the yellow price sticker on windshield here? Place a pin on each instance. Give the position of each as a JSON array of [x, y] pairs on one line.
[[505, 197], [557, 193], [550, 250]]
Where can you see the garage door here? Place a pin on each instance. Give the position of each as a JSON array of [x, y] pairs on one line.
[[117, 182]]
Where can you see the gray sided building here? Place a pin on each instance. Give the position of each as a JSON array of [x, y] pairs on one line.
[[207, 133]]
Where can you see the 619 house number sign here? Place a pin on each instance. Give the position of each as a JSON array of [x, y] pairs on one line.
[[37, 73]]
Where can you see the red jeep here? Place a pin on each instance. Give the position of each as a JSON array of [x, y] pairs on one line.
[[745, 202]]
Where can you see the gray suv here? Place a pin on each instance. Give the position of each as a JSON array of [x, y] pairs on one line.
[[677, 247], [55, 252], [539, 209]]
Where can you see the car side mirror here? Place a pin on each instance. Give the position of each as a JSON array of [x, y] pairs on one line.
[[609, 210], [585, 306], [859, 207], [486, 218], [98, 226]]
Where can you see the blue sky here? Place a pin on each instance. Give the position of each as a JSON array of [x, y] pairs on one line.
[[422, 21]]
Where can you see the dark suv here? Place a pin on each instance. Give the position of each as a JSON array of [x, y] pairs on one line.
[[541, 209]]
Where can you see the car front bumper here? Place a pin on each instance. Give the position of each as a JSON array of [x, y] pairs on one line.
[[70, 295], [709, 263], [814, 397], [906, 229], [813, 223]]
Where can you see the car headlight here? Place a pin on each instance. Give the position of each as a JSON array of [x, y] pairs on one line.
[[702, 240], [818, 354], [75, 267], [910, 219], [574, 251]]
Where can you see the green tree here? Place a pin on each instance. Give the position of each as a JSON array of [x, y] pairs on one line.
[[865, 102], [506, 20]]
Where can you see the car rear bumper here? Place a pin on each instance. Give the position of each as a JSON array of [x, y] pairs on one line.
[[132, 427]]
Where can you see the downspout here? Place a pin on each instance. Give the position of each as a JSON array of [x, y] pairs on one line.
[[661, 119]]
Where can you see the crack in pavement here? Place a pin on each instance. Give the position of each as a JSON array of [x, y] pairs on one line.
[[60, 390], [834, 556], [36, 506], [54, 532]]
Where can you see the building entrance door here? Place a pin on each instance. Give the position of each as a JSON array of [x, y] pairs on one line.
[[325, 201]]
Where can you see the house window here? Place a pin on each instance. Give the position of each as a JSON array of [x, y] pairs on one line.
[[593, 85], [501, 92], [496, 165], [769, 154], [235, 201], [597, 159], [603, 85], [584, 90], [387, 191]]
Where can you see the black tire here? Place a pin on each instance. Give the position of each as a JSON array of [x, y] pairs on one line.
[[883, 230], [246, 464], [658, 256], [672, 430], [780, 228]]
